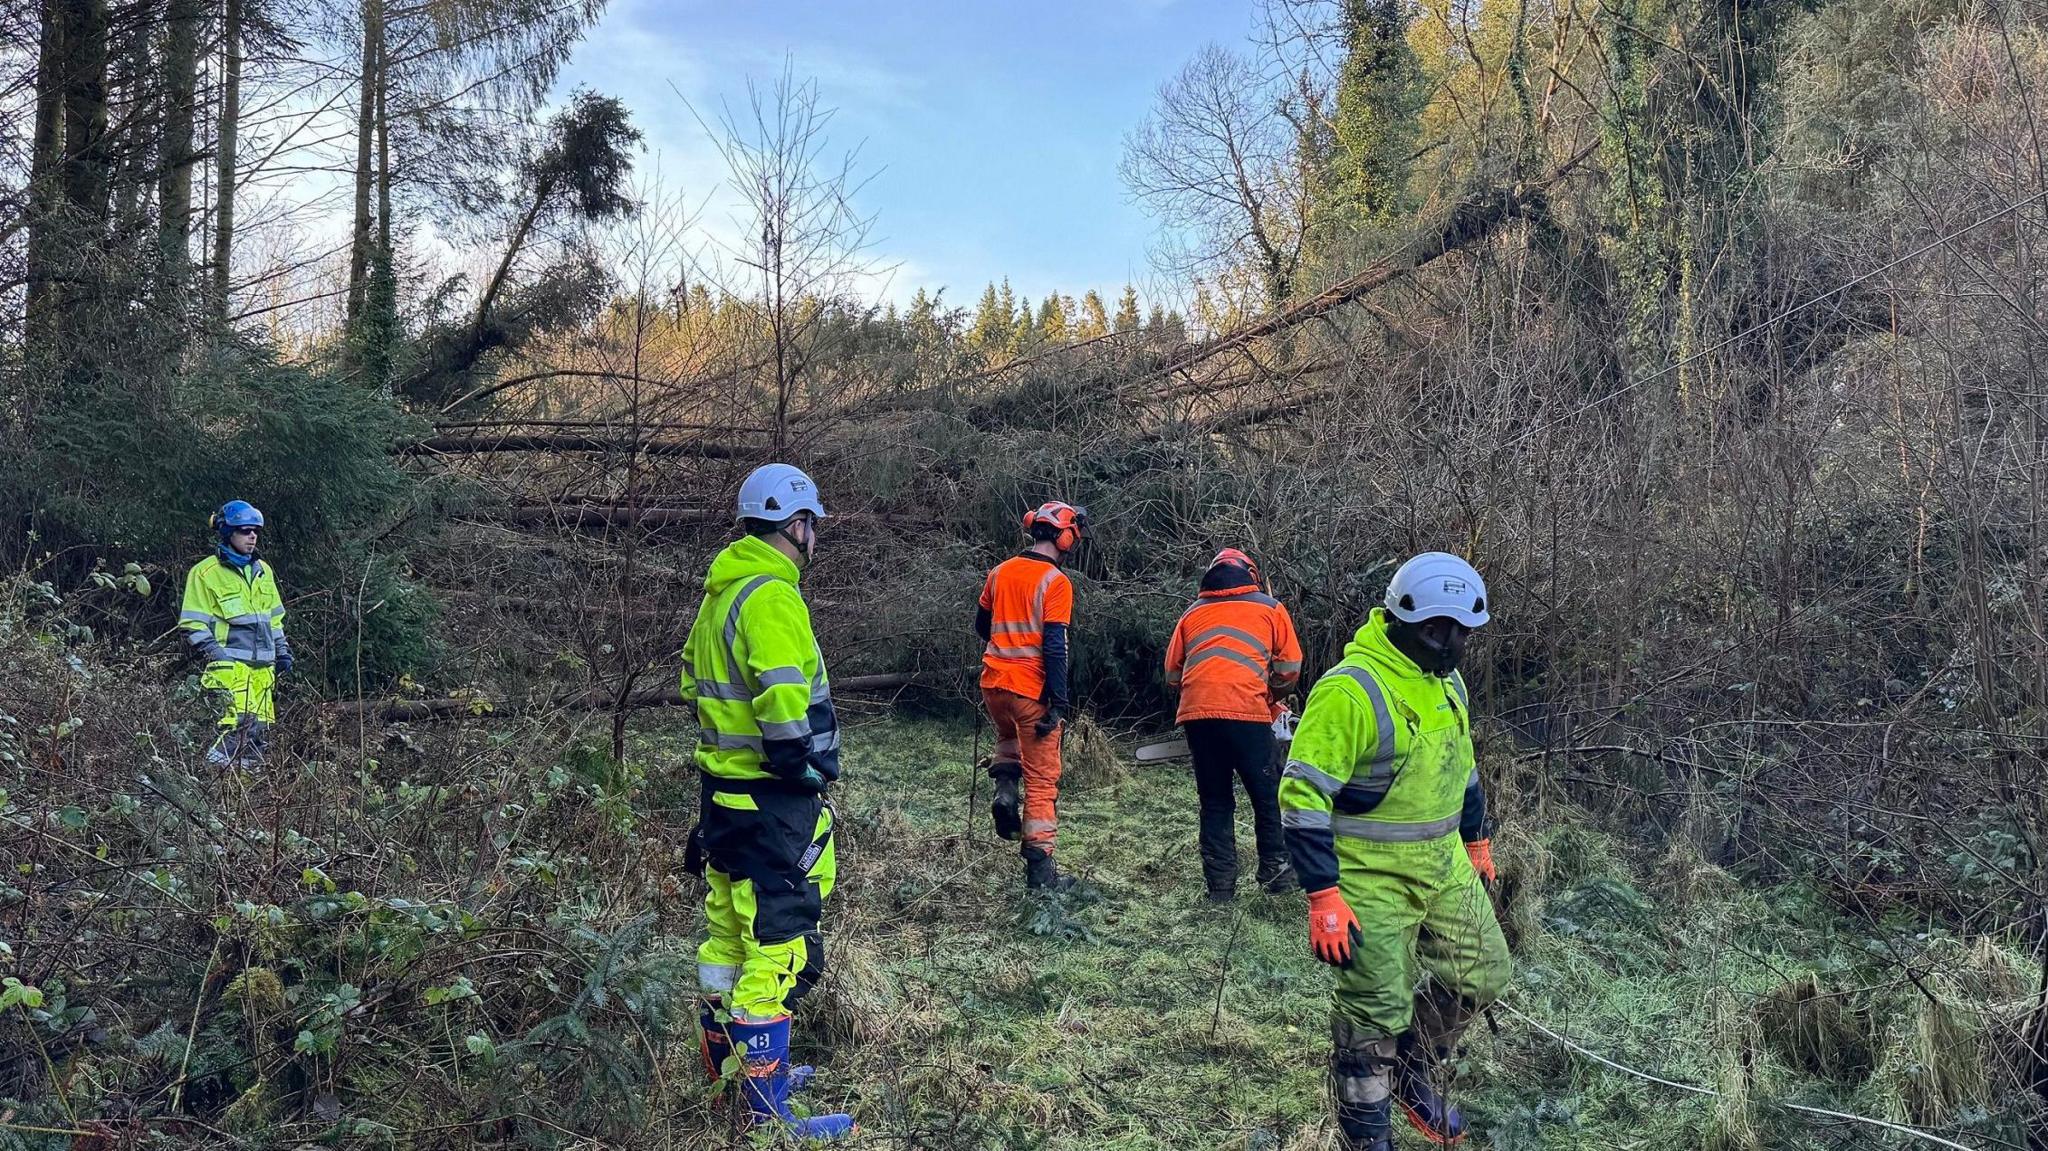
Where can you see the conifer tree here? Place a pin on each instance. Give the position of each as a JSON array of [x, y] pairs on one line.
[[1052, 319], [1094, 318], [991, 331], [1127, 315]]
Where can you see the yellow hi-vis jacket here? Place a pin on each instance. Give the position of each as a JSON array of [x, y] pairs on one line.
[[1382, 755], [752, 667], [233, 613]]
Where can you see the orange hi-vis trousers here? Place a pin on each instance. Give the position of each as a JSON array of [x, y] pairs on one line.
[[1018, 743]]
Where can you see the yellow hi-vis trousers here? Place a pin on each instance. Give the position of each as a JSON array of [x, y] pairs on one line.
[[770, 864]]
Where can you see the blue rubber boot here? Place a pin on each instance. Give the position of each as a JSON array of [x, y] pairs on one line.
[[716, 1046], [767, 1085], [1428, 1110]]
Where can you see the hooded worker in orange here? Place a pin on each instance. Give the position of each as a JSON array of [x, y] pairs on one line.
[[1233, 657], [1026, 606]]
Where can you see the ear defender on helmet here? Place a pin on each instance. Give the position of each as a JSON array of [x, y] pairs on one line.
[[1069, 523]]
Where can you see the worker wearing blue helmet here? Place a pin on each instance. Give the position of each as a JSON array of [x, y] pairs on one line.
[[233, 616]]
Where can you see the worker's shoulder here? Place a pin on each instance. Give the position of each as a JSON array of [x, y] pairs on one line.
[[767, 595], [1348, 680], [1256, 603], [1027, 572]]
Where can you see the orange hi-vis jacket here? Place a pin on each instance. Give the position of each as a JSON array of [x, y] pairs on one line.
[[1022, 595], [1234, 653]]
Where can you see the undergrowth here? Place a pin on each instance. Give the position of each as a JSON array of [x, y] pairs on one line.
[[476, 932]]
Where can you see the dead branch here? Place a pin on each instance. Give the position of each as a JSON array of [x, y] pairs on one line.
[[594, 699], [701, 449]]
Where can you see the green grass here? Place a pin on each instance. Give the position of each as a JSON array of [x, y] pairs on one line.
[[961, 1012]]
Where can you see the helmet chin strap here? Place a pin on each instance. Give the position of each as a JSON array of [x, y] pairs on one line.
[[803, 549]]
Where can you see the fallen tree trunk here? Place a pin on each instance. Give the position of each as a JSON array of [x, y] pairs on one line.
[[595, 699], [620, 516], [1468, 223], [700, 449]]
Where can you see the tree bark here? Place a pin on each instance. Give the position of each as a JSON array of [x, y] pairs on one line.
[[366, 131], [44, 183], [224, 171], [174, 177], [503, 272], [84, 173]]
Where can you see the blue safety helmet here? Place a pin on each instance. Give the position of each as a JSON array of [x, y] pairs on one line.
[[234, 514]]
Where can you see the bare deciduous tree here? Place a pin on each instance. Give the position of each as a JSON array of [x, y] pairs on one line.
[[1217, 162], [805, 245]]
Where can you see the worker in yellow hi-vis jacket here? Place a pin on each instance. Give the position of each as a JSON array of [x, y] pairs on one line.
[[1385, 821], [768, 752], [234, 617]]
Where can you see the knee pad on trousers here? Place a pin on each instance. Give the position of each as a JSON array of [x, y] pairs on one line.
[[1361, 1063]]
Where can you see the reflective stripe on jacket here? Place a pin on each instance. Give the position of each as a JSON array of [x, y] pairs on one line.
[[752, 666], [233, 613], [1383, 754], [1022, 595], [1233, 653]]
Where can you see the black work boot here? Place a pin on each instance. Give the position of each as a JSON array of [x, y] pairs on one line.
[[1008, 806], [1277, 875], [1219, 872], [1041, 875]]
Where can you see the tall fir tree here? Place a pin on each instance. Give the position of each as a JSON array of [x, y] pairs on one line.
[[1093, 322], [1128, 318], [991, 331], [1052, 319]]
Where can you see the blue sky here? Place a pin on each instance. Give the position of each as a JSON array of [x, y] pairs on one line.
[[993, 129]]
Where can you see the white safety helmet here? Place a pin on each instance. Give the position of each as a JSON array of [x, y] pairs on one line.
[[775, 492], [1437, 584]]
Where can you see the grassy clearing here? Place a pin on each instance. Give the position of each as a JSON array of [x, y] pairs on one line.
[[1133, 1014]]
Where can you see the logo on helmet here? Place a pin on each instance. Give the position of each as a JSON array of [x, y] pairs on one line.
[[1454, 586]]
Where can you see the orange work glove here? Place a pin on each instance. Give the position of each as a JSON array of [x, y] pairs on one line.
[[1480, 851], [1332, 927]]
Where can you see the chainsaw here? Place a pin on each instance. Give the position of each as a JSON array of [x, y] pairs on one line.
[[1176, 748]]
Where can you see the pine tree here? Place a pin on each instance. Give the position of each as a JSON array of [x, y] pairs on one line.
[[1127, 316], [991, 331], [1024, 333], [1094, 319], [1052, 319]]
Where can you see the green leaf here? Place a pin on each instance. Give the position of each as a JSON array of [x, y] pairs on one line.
[[461, 988], [481, 1046], [13, 992]]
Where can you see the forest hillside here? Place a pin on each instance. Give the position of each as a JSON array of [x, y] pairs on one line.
[[1711, 333]]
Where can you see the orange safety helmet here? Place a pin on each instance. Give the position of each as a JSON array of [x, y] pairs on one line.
[[1069, 521], [1236, 558]]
